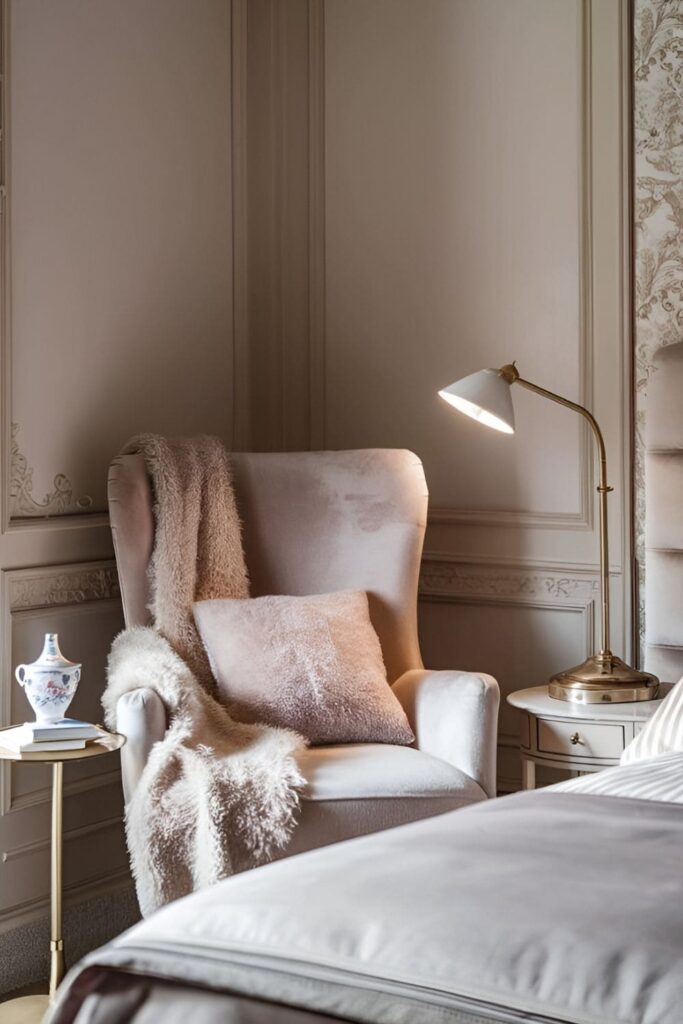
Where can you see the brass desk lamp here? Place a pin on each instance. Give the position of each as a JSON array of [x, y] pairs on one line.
[[603, 678]]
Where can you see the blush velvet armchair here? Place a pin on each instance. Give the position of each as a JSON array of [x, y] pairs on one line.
[[316, 522]]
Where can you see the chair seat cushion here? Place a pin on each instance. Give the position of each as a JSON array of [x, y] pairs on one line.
[[366, 787], [375, 771]]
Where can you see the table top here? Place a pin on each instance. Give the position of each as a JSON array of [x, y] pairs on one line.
[[105, 743], [537, 701]]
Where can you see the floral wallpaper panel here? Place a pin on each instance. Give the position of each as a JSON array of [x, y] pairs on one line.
[[658, 220]]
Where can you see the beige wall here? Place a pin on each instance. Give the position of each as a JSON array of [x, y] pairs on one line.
[[118, 317]]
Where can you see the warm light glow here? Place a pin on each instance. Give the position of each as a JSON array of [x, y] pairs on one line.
[[476, 412]]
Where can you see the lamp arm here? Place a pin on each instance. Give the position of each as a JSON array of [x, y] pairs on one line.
[[512, 376], [602, 455]]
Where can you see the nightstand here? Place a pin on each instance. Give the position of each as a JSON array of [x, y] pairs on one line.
[[574, 737]]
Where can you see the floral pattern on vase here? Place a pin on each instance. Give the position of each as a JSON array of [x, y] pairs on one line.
[[50, 682]]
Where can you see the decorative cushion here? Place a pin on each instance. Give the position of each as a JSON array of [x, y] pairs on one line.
[[313, 664], [663, 734]]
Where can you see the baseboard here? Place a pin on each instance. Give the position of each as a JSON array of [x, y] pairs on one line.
[[88, 923]]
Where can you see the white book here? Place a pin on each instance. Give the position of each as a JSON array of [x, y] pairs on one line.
[[21, 741], [65, 729]]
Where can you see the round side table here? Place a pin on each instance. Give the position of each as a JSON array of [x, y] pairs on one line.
[[575, 737], [30, 1009]]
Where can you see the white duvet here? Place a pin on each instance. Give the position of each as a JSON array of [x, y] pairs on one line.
[[557, 906]]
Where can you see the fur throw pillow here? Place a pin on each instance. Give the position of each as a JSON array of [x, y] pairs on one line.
[[312, 664]]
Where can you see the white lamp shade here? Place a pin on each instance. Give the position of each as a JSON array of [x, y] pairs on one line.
[[485, 396]]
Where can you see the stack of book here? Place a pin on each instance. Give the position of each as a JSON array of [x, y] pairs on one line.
[[33, 738]]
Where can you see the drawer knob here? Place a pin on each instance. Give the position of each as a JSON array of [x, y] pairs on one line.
[[575, 738]]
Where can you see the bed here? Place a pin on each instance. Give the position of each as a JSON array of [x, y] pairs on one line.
[[560, 906]]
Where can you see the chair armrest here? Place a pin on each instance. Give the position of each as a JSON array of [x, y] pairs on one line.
[[141, 718], [454, 716]]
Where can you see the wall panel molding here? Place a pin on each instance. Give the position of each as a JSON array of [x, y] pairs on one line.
[[458, 578], [60, 501], [156, 227], [585, 517], [70, 836], [89, 889], [278, 155], [529, 519], [17, 502], [316, 215], [275, 106], [73, 787], [240, 226], [44, 587], [584, 608]]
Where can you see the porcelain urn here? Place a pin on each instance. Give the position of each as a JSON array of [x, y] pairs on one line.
[[50, 682]]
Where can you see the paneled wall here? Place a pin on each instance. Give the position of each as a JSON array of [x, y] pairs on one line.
[[117, 318], [468, 204]]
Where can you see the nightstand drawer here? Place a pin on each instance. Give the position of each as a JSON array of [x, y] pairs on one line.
[[579, 739]]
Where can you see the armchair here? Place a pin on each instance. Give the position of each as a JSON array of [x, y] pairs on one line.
[[315, 522]]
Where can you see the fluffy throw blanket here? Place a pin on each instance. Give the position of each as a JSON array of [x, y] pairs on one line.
[[216, 796], [197, 537]]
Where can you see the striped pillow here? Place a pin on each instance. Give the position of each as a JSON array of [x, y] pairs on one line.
[[658, 779], [663, 733]]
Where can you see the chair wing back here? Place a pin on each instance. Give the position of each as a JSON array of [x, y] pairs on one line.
[[313, 522]]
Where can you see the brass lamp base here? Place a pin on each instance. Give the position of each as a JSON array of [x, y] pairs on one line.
[[603, 679]]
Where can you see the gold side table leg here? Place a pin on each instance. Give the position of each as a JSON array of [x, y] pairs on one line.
[[32, 1009], [56, 940]]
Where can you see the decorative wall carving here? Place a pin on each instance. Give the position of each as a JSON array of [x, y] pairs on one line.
[[658, 215], [57, 502], [44, 588], [457, 579]]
